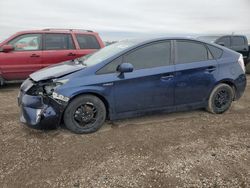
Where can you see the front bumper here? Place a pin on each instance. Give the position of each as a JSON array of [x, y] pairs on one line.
[[39, 112]]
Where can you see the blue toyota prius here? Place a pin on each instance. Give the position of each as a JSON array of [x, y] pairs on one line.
[[132, 78]]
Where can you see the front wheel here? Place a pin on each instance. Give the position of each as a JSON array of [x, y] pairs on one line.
[[85, 114], [220, 99]]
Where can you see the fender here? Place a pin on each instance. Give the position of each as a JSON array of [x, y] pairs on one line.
[[230, 82], [103, 93]]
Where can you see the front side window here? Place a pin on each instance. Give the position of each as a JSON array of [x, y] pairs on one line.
[[58, 42], [153, 55], [27, 42], [111, 67], [149, 56], [238, 41], [188, 52], [224, 41], [87, 41]]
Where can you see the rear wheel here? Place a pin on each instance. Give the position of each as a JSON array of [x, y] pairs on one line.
[[220, 99], [85, 114]]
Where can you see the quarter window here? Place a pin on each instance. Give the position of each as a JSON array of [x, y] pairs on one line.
[[87, 41], [27, 42], [238, 41], [188, 52], [58, 42], [153, 55], [111, 67], [216, 52]]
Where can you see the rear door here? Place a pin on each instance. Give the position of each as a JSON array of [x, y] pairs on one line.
[[239, 44], [195, 72], [57, 47], [24, 60], [87, 44]]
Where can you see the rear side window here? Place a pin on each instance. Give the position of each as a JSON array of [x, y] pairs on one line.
[[188, 52], [153, 55], [238, 41], [224, 41], [216, 52], [87, 41], [58, 42], [27, 42]]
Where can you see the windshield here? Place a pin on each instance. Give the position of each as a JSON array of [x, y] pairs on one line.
[[106, 52], [208, 38]]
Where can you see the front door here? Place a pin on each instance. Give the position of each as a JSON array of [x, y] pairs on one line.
[[239, 44], [24, 60], [151, 84]]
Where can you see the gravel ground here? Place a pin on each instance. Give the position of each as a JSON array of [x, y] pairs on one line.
[[185, 149]]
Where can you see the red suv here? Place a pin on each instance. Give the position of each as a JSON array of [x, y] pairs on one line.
[[29, 51]]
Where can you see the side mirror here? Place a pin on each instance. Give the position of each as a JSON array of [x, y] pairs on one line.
[[125, 67], [221, 43], [7, 48]]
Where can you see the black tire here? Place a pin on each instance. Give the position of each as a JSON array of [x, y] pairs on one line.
[[1, 81], [220, 99], [79, 111]]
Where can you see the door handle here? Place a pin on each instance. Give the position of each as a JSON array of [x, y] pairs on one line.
[[71, 54], [211, 69], [35, 55], [167, 77]]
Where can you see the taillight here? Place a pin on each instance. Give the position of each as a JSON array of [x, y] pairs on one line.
[[241, 62]]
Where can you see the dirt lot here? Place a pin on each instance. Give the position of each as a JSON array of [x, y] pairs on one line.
[[185, 149]]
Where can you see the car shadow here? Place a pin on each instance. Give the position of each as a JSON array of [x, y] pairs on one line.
[[9, 87]]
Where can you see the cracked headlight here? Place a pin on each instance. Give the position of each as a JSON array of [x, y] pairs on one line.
[[49, 88], [60, 97]]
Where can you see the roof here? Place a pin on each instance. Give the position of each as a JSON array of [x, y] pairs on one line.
[[55, 30], [154, 39]]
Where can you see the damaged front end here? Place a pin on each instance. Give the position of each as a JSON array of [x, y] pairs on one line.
[[41, 107]]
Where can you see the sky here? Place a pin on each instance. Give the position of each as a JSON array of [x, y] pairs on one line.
[[117, 20]]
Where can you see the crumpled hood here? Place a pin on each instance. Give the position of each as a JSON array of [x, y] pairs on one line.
[[57, 70]]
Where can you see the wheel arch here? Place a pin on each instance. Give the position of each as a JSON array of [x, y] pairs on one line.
[[228, 82], [100, 96]]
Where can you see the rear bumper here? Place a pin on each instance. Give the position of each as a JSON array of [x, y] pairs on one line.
[[39, 114], [241, 83]]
